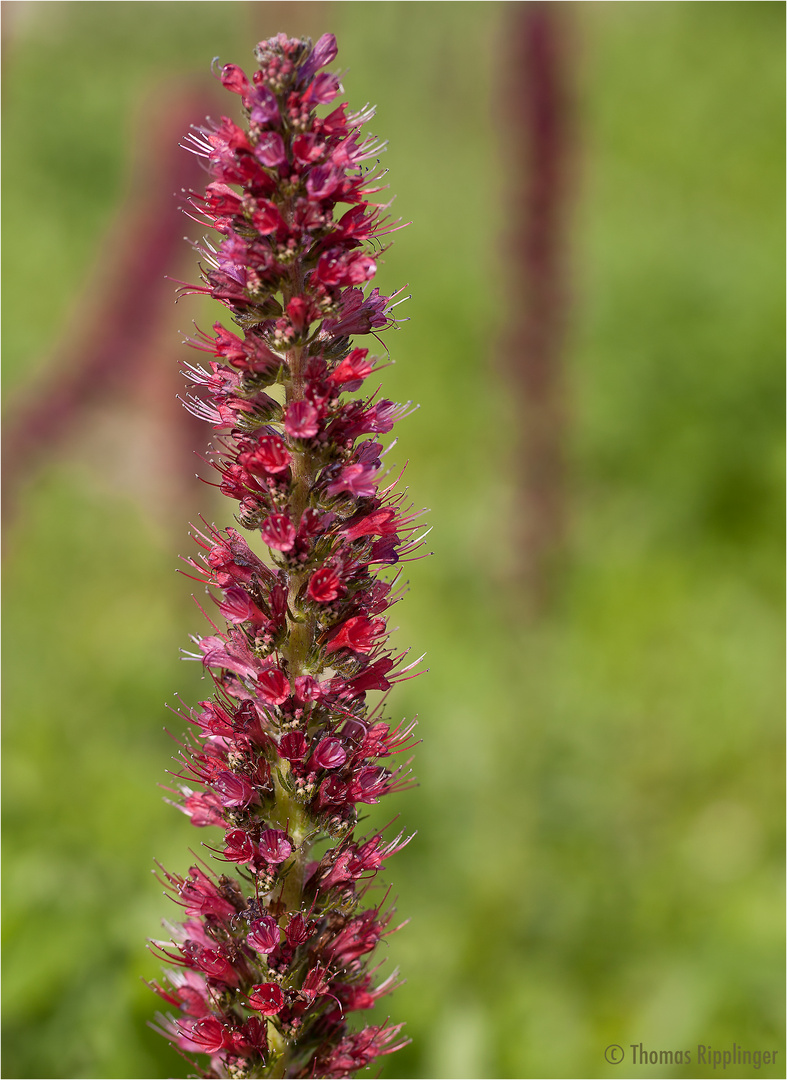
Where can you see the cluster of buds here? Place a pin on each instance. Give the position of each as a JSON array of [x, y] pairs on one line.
[[274, 956]]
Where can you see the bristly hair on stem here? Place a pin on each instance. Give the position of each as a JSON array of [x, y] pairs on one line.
[[273, 957]]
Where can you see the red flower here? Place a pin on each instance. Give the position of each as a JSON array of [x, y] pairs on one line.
[[337, 267], [357, 937], [298, 930], [269, 455], [358, 634], [267, 998], [201, 897], [353, 369], [238, 846], [215, 965], [273, 686], [370, 783], [324, 585], [278, 532], [293, 747]]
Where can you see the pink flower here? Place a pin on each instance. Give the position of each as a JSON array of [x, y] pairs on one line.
[[192, 992], [237, 607], [206, 1034], [270, 149], [322, 90], [323, 53], [301, 420], [275, 846], [264, 935], [357, 479], [203, 808], [264, 109], [328, 754], [234, 790]]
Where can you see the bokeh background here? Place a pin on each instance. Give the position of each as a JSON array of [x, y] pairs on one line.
[[595, 191]]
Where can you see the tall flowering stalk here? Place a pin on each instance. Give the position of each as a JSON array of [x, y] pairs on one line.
[[273, 958]]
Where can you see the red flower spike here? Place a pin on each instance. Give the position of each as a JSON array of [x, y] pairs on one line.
[[288, 748]]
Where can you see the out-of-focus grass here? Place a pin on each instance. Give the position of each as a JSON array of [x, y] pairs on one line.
[[598, 850]]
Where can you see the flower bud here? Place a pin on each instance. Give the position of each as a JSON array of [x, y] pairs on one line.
[[329, 754], [234, 79]]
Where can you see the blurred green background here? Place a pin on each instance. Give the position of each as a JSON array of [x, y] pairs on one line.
[[598, 857]]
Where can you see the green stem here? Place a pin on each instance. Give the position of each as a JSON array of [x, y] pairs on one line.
[[290, 813]]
